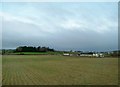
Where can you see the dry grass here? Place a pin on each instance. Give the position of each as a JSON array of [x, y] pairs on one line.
[[0, 70], [59, 70]]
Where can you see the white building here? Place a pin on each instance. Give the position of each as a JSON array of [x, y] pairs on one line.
[[66, 54], [90, 54]]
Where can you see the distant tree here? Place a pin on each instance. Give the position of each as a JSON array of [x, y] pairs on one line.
[[33, 49], [3, 51], [19, 49], [43, 49], [38, 49]]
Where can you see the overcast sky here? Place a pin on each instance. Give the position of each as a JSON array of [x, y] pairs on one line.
[[62, 26]]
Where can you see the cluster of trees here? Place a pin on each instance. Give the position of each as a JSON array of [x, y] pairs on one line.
[[7, 51], [115, 53], [33, 49], [112, 53]]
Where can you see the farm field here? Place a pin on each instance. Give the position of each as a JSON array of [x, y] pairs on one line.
[[0, 70], [37, 53], [58, 70]]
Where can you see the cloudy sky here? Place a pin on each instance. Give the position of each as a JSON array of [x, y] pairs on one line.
[[89, 26]]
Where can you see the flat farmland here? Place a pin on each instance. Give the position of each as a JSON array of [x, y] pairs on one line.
[[58, 70]]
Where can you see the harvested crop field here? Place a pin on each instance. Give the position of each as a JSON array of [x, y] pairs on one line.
[[58, 70]]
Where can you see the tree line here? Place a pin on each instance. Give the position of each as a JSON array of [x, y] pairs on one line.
[[33, 49]]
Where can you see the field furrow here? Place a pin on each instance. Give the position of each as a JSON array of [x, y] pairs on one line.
[[58, 70]]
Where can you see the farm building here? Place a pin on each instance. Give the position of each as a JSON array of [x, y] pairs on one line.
[[70, 54], [84, 54], [101, 55], [91, 54], [66, 54], [87, 54]]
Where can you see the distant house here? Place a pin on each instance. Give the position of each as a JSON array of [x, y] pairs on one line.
[[87, 54], [84, 54], [101, 55], [91, 54], [66, 54], [95, 55]]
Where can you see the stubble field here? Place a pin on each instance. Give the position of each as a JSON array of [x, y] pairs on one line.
[[58, 70]]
